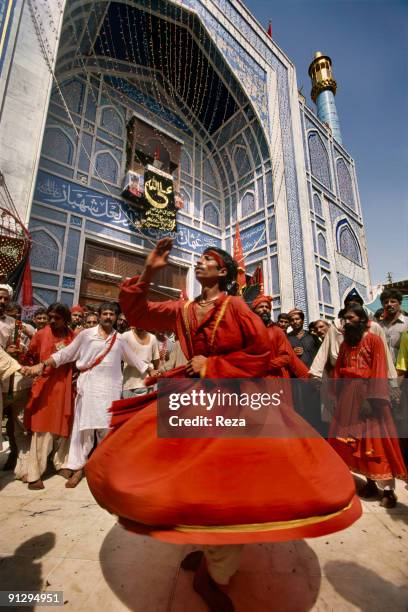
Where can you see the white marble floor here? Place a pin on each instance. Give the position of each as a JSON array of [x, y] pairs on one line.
[[60, 539]]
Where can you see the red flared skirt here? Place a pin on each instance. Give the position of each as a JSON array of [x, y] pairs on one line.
[[223, 490], [367, 444]]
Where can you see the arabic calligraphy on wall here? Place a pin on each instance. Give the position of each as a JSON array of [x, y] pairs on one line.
[[108, 212], [253, 238]]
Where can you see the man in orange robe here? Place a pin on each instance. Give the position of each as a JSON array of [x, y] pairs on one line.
[[49, 413], [363, 430], [214, 491], [283, 361]]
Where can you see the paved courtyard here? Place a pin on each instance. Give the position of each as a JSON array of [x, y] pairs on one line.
[[59, 539]]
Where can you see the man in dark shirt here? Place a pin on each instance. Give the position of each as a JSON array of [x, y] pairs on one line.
[[306, 397], [303, 343]]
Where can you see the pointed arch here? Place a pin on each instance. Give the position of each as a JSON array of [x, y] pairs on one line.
[[46, 249], [326, 290], [59, 145], [248, 204], [345, 183], [319, 159], [347, 242], [106, 166], [322, 245], [211, 214], [111, 120]]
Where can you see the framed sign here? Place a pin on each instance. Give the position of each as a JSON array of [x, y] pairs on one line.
[[159, 210]]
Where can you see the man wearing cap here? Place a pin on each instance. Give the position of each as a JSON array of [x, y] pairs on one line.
[[305, 347], [283, 360], [77, 318], [302, 341]]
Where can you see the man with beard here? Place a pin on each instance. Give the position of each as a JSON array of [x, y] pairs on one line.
[[362, 430], [98, 353], [329, 350], [283, 361], [77, 317], [122, 324], [49, 411]]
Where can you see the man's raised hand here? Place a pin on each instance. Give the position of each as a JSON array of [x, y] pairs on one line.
[[157, 258]]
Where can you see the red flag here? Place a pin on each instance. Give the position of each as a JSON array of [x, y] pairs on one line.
[[259, 279], [270, 29], [239, 258]]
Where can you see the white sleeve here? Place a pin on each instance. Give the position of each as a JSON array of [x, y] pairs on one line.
[[131, 358], [319, 362], [69, 353]]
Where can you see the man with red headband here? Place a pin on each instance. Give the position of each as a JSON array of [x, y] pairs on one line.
[[220, 492], [283, 361]]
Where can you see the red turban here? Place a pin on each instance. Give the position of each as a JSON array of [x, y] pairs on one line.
[[77, 308], [260, 300]]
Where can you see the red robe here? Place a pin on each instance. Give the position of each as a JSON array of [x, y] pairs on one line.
[[283, 360], [368, 444], [216, 490], [51, 404]]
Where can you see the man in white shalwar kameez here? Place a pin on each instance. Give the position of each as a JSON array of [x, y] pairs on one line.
[[98, 353]]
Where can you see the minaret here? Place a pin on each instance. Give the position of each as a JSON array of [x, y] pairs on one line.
[[323, 92]]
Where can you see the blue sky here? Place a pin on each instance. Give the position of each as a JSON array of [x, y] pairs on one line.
[[368, 43]]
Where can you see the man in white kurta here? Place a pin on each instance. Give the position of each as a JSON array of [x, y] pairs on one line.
[[98, 353]]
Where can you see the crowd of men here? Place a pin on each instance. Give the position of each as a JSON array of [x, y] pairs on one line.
[[73, 363]]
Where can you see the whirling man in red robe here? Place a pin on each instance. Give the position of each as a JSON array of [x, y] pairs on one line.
[[363, 430], [217, 492]]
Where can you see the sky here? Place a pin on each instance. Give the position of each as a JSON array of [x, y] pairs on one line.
[[368, 43]]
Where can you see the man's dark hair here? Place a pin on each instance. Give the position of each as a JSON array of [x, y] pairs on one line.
[[40, 311], [283, 315], [231, 266], [392, 294], [312, 325], [14, 306], [114, 306], [62, 310], [359, 311], [378, 313]]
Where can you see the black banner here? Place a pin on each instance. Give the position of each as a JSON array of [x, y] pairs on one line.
[[159, 207]]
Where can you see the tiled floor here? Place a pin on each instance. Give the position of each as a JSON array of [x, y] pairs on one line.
[[59, 539]]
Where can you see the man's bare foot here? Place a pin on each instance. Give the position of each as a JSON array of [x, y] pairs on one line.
[[191, 562], [36, 486], [210, 591], [74, 480], [65, 473]]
